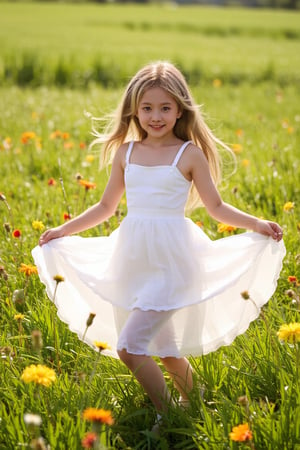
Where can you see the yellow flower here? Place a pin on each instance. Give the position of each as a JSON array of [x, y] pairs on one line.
[[28, 136], [89, 158], [289, 332], [237, 148], [38, 225], [288, 206], [98, 415], [38, 374], [224, 227], [58, 279], [245, 162], [19, 317], [28, 269], [102, 346], [217, 83], [241, 433]]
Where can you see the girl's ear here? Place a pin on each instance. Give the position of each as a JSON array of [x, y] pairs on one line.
[[179, 114]]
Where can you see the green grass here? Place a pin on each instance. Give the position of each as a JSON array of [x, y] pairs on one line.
[[77, 44], [260, 119]]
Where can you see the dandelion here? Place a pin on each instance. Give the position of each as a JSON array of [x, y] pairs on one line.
[[288, 206], [217, 83], [101, 346], [89, 158], [28, 269], [222, 227], [241, 433], [98, 415], [245, 162], [19, 317], [38, 225], [38, 374], [16, 234], [289, 332], [87, 184], [237, 148], [89, 440]]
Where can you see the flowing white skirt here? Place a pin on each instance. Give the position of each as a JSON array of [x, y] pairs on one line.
[[165, 265]]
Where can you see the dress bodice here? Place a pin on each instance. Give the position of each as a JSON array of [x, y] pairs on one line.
[[153, 190]]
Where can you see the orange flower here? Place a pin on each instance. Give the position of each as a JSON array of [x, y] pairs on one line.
[[87, 184], [82, 145], [239, 132], [89, 440], [68, 145], [16, 234], [51, 182], [224, 227], [57, 134], [28, 270], [292, 279], [241, 433], [28, 136], [66, 216], [98, 415]]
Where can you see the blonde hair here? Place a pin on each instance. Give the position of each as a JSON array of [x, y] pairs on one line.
[[190, 126]]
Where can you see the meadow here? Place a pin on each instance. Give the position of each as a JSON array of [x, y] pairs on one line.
[[60, 62]]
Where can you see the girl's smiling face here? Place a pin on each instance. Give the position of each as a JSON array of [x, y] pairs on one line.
[[158, 113]]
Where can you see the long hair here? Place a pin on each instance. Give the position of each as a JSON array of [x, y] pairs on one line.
[[125, 125]]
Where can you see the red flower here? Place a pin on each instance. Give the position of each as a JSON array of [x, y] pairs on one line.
[[89, 440], [51, 182], [66, 216], [16, 234]]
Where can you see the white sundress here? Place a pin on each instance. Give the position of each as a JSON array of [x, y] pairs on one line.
[[161, 262]]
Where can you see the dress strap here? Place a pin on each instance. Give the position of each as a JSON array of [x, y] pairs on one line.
[[180, 151], [128, 153]]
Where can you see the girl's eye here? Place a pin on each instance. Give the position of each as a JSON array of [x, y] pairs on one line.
[[146, 108], [166, 108]]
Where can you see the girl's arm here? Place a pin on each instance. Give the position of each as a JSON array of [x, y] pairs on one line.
[[220, 210], [99, 212]]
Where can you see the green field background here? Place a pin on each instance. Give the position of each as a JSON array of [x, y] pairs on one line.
[[60, 64]]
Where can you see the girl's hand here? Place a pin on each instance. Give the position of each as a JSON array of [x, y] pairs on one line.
[[269, 229], [48, 235]]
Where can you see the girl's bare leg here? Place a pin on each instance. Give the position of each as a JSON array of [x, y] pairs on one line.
[[181, 372], [149, 375]]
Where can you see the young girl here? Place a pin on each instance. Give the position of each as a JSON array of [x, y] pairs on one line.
[[158, 285]]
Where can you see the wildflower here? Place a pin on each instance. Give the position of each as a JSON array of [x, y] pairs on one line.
[[16, 234], [289, 332], [32, 419], [98, 415], [288, 206], [199, 223], [66, 216], [89, 158], [102, 346], [19, 317], [89, 440], [82, 145], [28, 269], [245, 162], [58, 279], [90, 319], [239, 132], [292, 279], [245, 295], [68, 145], [87, 184], [38, 225], [224, 227], [27, 137], [51, 182], [38, 374], [78, 176], [237, 148], [7, 143], [65, 135], [241, 433], [217, 83]]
